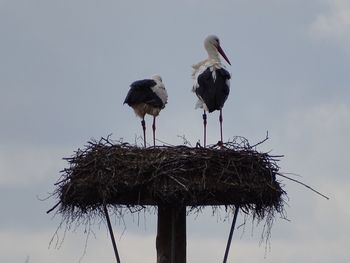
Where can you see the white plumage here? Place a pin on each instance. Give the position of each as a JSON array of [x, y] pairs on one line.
[[211, 80], [159, 89]]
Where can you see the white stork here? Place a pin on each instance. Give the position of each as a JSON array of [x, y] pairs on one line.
[[147, 96], [211, 81]]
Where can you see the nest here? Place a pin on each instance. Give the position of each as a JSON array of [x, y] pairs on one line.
[[119, 174]]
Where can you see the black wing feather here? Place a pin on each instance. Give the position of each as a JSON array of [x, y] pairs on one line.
[[213, 93], [141, 92]]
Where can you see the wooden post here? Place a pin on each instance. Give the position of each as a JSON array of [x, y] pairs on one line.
[[171, 234], [231, 233], [111, 233]]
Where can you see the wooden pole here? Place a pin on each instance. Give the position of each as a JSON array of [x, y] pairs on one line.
[[111, 233], [231, 233], [171, 234]]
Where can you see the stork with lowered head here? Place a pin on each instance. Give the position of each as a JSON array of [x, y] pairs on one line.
[[147, 96]]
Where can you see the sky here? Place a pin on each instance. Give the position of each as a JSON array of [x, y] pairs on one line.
[[65, 69]]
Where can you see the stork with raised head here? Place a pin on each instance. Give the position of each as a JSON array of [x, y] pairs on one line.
[[211, 81], [147, 96]]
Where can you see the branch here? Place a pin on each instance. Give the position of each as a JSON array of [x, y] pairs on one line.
[[266, 138], [305, 185], [53, 208]]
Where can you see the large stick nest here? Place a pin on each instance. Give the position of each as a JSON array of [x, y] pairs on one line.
[[119, 174]]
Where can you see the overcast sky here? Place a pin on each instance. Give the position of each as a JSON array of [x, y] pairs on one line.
[[66, 66]]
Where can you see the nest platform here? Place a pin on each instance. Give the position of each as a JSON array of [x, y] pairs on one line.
[[120, 174]]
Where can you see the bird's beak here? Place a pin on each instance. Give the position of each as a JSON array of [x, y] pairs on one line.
[[222, 53]]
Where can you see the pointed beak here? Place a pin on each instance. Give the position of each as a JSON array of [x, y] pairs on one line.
[[222, 53]]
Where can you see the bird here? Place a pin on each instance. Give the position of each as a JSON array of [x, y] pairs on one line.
[[211, 81], [147, 96]]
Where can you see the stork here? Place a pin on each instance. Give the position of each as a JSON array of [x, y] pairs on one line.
[[211, 81], [147, 96]]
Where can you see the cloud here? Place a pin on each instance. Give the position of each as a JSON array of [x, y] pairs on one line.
[[65, 80], [35, 246], [24, 165], [321, 134], [331, 242], [335, 24]]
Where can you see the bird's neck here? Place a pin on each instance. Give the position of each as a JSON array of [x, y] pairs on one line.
[[213, 54]]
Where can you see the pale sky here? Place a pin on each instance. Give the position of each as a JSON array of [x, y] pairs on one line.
[[65, 69]]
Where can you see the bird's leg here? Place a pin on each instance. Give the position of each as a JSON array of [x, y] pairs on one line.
[[205, 128], [220, 120], [143, 123], [154, 131]]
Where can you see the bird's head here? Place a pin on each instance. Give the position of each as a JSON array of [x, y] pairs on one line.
[[212, 45], [157, 78]]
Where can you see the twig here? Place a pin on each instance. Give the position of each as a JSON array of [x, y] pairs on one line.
[[266, 138], [184, 186], [53, 208], [168, 144], [185, 141], [305, 185]]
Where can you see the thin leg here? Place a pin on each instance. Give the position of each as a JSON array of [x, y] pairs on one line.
[[231, 233], [205, 128], [111, 233], [154, 131], [220, 120], [143, 123]]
